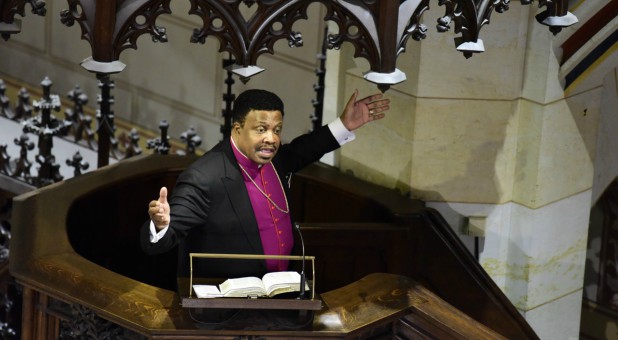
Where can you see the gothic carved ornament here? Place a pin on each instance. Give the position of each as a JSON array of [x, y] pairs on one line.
[[113, 26], [9, 8], [378, 29]]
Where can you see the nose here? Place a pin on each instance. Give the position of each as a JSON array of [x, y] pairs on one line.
[[269, 137]]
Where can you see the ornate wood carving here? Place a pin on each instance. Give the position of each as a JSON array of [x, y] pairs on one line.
[[160, 145], [112, 26], [378, 30], [556, 16], [86, 324], [46, 126], [469, 17], [80, 122], [246, 39], [368, 25], [228, 98], [22, 165], [191, 140], [5, 104], [9, 8], [105, 117], [319, 87], [77, 163]]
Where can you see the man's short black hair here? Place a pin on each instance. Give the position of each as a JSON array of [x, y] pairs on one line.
[[255, 100]]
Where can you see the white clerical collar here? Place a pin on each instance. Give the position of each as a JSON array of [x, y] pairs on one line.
[[242, 154]]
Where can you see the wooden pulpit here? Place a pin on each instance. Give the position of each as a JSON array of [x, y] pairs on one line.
[[386, 266]]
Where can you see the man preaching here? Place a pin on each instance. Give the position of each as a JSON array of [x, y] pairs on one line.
[[233, 199]]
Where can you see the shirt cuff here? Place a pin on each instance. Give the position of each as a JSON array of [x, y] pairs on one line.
[[154, 235], [340, 132]]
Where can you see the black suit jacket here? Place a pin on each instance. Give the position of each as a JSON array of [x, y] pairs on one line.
[[211, 211]]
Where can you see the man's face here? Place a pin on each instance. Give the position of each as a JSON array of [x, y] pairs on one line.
[[259, 137]]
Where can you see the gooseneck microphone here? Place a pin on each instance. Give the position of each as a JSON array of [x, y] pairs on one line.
[[302, 272]]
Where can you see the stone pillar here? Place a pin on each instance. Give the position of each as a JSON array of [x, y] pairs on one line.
[[493, 143]]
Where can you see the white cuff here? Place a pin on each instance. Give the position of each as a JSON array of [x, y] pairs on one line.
[[340, 132], [154, 236]]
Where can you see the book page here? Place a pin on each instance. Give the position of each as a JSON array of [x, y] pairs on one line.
[[281, 282], [206, 291], [242, 287]]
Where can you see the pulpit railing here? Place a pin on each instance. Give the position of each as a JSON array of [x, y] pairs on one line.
[[34, 132], [41, 129]]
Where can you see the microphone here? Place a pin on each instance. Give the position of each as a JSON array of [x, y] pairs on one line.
[[302, 272]]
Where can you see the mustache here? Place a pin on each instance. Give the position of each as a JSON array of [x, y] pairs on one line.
[[273, 147]]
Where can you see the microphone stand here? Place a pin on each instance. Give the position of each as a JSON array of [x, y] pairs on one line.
[[302, 272]]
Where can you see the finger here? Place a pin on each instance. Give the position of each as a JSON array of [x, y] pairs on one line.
[[158, 216], [375, 109], [153, 212], [377, 116], [352, 99], [163, 195], [379, 104], [379, 109], [383, 102], [377, 112], [372, 98]]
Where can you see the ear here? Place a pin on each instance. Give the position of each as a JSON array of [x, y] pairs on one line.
[[236, 127]]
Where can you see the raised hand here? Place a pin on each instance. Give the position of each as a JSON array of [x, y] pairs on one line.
[[359, 112], [159, 210]]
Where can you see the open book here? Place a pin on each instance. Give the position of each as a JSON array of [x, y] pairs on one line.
[[269, 285]]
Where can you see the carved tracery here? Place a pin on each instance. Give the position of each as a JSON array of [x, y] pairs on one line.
[[378, 30], [113, 26]]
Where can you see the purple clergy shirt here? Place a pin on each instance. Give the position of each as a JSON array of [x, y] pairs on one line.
[[275, 226]]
